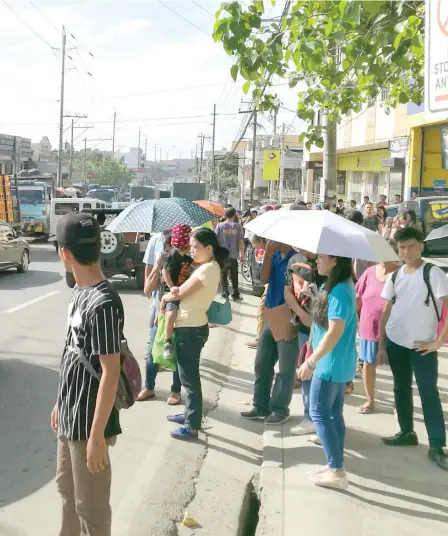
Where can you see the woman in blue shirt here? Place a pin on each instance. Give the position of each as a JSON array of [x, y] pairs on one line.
[[332, 364]]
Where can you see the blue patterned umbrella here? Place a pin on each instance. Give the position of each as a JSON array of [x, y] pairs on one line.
[[159, 215]]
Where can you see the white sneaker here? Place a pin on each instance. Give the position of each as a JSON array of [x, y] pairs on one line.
[[304, 428], [315, 439]]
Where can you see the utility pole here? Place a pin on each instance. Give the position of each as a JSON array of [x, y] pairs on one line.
[[213, 148], [202, 138], [272, 183], [145, 177], [84, 162], [254, 147], [282, 164], [71, 150], [138, 157], [113, 134], [61, 111], [329, 158]]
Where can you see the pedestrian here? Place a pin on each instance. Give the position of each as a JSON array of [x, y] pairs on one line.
[[340, 209], [311, 276], [363, 206], [309, 205], [176, 270], [84, 417], [370, 306], [258, 243], [280, 346], [397, 199], [299, 205], [332, 364], [408, 336], [153, 261], [191, 328], [371, 220], [381, 212], [411, 220], [231, 236], [382, 202]]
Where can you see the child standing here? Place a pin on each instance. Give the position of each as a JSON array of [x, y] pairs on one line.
[[175, 272]]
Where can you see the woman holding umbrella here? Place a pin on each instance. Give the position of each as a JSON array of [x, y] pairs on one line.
[[332, 364], [191, 327]]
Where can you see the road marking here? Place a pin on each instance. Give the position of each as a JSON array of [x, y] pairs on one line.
[[31, 302]]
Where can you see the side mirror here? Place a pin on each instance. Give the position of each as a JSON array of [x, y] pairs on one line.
[[11, 236]]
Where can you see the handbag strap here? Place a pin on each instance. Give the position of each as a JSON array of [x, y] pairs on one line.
[[82, 356]]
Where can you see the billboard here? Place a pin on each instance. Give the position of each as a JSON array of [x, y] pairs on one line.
[[271, 165]]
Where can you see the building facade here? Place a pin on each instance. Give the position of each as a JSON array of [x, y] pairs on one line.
[[372, 155], [15, 153]]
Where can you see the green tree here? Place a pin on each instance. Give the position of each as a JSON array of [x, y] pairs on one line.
[[336, 54], [226, 171], [107, 170]]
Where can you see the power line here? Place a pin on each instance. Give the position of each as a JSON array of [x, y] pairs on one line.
[[184, 18], [203, 9], [58, 30], [11, 10]]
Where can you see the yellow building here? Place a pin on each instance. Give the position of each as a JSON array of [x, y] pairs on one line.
[[428, 156], [371, 155]]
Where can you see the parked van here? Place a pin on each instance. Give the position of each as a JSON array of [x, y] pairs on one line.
[[62, 206]]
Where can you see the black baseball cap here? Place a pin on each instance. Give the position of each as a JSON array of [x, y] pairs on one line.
[[77, 229]]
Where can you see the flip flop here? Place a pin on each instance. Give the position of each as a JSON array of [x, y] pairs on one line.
[[145, 395], [174, 399], [252, 344], [365, 410]]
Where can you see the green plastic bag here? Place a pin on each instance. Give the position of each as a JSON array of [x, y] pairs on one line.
[[159, 343]]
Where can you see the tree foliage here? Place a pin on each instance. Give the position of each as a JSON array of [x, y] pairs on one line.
[[338, 55], [226, 168], [107, 170]]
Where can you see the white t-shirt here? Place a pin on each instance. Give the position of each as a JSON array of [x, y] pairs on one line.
[[411, 320], [193, 309], [154, 249]]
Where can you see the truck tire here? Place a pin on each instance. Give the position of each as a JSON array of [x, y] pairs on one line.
[[70, 280], [111, 244], [140, 277]]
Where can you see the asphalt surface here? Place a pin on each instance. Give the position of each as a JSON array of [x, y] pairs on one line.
[[153, 475]]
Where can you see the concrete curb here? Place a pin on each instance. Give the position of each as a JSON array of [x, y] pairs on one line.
[[272, 489]]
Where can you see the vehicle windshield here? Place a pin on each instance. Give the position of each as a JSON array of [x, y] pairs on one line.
[[32, 196], [103, 195]]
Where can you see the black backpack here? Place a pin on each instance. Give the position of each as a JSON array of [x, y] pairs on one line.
[[426, 271]]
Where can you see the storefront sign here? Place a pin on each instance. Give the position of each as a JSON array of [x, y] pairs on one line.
[[436, 59], [271, 165], [439, 186], [363, 161], [400, 145]]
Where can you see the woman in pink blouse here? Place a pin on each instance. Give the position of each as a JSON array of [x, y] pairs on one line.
[[370, 305]]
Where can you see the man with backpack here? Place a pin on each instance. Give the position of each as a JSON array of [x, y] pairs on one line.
[[414, 297], [84, 417]]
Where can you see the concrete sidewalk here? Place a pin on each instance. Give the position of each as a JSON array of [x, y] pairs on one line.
[[392, 490]]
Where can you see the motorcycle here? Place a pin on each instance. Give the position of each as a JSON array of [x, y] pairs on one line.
[[251, 268]]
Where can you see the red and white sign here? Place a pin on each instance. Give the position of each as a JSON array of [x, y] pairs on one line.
[[436, 59]]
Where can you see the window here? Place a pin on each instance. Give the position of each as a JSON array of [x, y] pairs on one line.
[[32, 196], [5, 230], [60, 209], [385, 93], [87, 205]]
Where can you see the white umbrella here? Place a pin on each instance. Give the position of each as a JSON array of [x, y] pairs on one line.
[[322, 231]]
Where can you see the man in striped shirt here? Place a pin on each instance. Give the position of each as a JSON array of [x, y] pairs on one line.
[[84, 417]]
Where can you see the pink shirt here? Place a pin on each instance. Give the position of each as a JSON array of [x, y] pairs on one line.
[[369, 289]]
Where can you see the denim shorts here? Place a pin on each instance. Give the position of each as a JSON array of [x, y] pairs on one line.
[[172, 306]]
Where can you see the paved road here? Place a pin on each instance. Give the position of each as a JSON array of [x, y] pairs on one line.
[[154, 477]]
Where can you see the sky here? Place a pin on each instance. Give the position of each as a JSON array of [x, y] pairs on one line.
[[160, 70]]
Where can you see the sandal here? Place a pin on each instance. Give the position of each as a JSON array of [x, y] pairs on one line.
[[349, 388], [146, 394], [174, 399], [252, 344], [366, 410]]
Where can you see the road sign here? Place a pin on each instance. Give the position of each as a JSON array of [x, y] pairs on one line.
[[271, 165], [436, 59]]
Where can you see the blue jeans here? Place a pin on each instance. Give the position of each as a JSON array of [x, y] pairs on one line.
[[189, 343], [326, 410], [306, 385], [152, 368], [268, 353]]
